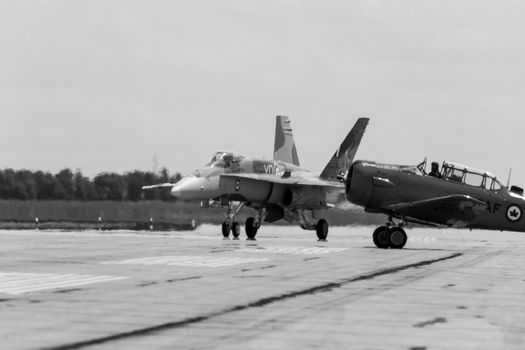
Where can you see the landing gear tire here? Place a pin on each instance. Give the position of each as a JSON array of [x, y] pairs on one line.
[[322, 229], [225, 230], [236, 230], [381, 237], [251, 228], [397, 238]]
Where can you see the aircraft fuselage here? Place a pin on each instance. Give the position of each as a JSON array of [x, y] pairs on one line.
[[203, 184]]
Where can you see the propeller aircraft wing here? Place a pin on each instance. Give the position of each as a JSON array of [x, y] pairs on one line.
[[455, 210]]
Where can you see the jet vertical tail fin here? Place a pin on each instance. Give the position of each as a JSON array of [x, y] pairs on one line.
[[344, 156], [284, 148]]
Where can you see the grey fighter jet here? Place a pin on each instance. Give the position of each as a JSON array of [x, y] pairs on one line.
[[276, 189]]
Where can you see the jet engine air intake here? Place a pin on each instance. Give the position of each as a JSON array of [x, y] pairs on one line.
[[289, 197]]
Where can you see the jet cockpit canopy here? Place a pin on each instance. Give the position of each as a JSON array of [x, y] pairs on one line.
[[470, 176], [224, 159]]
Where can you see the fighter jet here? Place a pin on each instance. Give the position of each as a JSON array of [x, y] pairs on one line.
[[276, 189], [455, 196]]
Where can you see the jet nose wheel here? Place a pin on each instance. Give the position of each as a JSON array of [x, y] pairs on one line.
[[225, 230], [236, 230], [322, 229], [397, 238]]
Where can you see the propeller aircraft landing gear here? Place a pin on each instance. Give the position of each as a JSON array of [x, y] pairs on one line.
[[390, 236], [230, 225], [380, 237], [397, 237]]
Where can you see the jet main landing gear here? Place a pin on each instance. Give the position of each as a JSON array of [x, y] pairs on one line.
[[321, 228], [254, 223], [389, 236], [251, 228], [308, 222]]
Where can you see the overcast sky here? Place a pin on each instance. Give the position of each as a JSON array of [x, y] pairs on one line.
[[111, 85]]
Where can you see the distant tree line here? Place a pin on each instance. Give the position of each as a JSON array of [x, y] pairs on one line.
[[66, 185]]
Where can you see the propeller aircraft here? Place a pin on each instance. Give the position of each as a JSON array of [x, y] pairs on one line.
[[456, 196]]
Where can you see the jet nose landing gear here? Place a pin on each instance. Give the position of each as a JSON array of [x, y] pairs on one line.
[[234, 228], [230, 225]]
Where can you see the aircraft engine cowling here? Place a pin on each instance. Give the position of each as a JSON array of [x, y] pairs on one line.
[[358, 185], [517, 190], [348, 181]]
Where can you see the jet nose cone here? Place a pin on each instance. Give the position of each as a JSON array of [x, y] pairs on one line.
[[176, 192], [188, 188]]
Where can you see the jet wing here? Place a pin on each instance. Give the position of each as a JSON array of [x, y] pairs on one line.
[[164, 185], [455, 210], [291, 181], [290, 192]]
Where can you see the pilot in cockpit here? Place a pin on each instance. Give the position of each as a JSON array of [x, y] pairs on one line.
[[435, 170], [228, 160]]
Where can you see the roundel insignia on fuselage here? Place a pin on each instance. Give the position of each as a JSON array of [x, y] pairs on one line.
[[237, 185], [514, 213]]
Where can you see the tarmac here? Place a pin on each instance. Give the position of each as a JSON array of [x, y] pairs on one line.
[[448, 289]]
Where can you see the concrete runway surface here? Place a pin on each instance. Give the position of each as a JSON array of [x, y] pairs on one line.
[[448, 289]]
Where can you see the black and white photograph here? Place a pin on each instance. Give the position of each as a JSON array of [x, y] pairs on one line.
[[262, 174]]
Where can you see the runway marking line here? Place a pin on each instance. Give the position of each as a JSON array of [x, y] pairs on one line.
[[15, 283], [186, 261]]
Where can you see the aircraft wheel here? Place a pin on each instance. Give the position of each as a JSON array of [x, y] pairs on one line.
[[322, 229], [397, 238], [225, 230], [380, 237], [251, 228], [236, 230]]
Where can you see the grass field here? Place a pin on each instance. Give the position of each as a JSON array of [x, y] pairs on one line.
[[139, 215]]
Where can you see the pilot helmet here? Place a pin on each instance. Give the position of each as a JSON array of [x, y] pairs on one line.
[[435, 165], [228, 159]]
